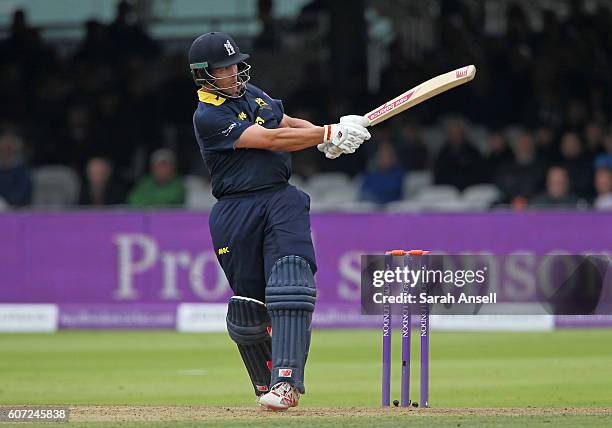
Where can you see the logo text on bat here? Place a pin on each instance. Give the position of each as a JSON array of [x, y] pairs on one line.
[[463, 72], [390, 106]]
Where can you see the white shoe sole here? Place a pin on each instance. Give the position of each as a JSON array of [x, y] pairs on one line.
[[272, 406]]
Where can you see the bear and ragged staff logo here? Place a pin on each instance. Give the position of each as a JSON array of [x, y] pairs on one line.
[[229, 48]]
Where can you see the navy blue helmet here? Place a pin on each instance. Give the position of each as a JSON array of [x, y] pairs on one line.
[[217, 50]]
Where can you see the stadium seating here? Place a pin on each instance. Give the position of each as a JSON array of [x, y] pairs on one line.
[[198, 193], [55, 185], [439, 193], [481, 195], [328, 180], [330, 189], [450, 205], [414, 181], [297, 181], [355, 206], [336, 192], [404, 206]]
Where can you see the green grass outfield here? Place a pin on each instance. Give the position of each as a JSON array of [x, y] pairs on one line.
[[563, 369]]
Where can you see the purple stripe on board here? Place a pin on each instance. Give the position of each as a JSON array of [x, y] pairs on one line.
[[583, 321]]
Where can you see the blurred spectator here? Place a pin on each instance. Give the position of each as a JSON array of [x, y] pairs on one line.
[[412, 152], [459, 163], [577, 163], [96, 47], [604, 160], [513, 57], [15, 181], [310, 15], [174, 99], [77, 139], [270, 36], [576, 115], [499, 153], [163, 187], [603, 187], [523, 176], [557, 191], [593, 136], [100, 186], [25, 46], [114, 131], [545, 144], [384, 183], [93, 99], [128, 36]]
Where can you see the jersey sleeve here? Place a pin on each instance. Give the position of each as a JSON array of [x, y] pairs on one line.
[[218, 130], [278, 108]]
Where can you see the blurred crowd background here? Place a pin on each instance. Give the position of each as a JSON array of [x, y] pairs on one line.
[[105, 118]]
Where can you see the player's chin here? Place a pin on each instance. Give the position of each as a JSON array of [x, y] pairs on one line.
[[232, 92]]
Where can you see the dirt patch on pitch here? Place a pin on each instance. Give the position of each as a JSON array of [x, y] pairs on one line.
[[197, 413]]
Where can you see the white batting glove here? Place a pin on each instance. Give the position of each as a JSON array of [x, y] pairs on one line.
[[346, 136], [355, 119], [331, 151]]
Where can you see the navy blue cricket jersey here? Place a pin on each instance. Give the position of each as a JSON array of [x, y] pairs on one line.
[[219, 122]]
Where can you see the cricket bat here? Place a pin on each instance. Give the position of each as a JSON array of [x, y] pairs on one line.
[[420, 93]]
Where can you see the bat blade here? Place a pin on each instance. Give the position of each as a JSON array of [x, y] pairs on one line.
[[420, 93]]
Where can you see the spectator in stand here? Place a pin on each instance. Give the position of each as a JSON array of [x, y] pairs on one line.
[[499, 153], [603, 187], [604, 160], [128, 34], [270, 36], [522, 177], [163, 187], [557, 193], [25, 46], [15, 181], [545, 144], [96, 47], [78, 142], [412, 152], [92, 99], [100, 186], [459, 163], [593, 136], [575, 115], [578, 164], [384, 183]]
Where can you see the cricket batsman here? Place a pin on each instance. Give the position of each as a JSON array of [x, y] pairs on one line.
[[260, 224]]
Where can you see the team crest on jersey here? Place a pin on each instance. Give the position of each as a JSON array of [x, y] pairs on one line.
[[260, 102], [242, 115], [229, 48]]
